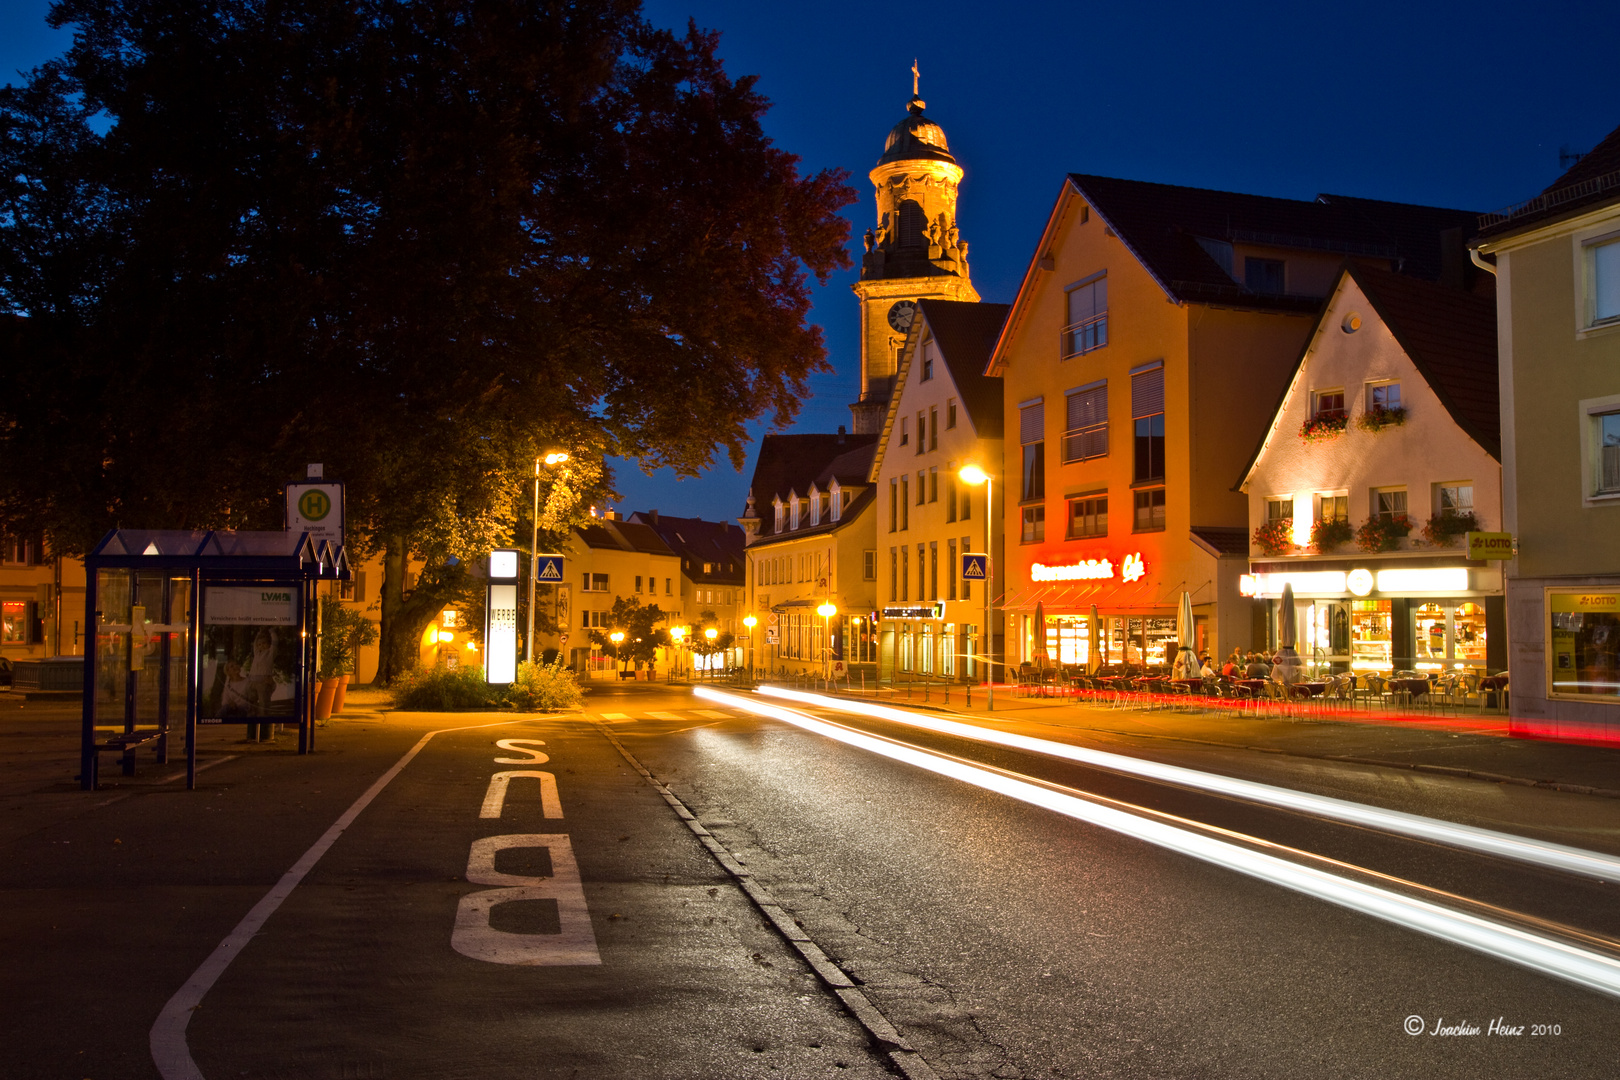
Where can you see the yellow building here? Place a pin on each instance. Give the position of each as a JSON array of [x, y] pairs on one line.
[[1148, 346], [809, 530], [41, 614], [713, 582], [1557, 260], [944, 414], [608, 559]]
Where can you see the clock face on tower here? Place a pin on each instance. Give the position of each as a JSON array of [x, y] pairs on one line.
[[901, 314]]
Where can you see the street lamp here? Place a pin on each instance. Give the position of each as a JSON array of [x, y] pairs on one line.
[[555, 457], [678, 635], [616, 637], [974, 476], [711, 633], [750, 622], [826, 611]]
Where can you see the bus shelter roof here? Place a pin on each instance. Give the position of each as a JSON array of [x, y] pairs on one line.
[[282, 553]]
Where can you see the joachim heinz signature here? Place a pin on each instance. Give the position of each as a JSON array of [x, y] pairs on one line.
[[1416, 1025]]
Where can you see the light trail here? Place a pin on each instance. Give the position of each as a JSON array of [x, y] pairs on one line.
[[1590, 864], [1544, 955]]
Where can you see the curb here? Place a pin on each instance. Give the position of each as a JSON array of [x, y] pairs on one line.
[[889, 1040]]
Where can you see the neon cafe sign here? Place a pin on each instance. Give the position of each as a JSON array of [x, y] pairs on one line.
[[1130, 569]]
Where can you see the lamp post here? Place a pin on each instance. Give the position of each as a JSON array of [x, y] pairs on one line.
[[678, 634], [616, 637], [710, 633], [975, 476], [826, 611], [553, 458], [750, 622]]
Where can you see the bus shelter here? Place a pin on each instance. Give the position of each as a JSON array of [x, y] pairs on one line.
[[199, 627]]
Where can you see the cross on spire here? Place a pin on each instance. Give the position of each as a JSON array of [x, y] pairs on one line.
[[915, 75]]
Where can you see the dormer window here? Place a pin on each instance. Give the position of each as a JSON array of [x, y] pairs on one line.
[[815, 506], [836, 495], [793, 511], [777, 503]]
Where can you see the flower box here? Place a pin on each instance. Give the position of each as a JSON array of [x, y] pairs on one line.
[[1327, 535], [1443, 530], [1378, 418], [1382, 533], [1324, 426], [1275, 537]]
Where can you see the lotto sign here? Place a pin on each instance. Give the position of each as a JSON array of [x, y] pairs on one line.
[[1490, 545], [974, 566], [316, 509]]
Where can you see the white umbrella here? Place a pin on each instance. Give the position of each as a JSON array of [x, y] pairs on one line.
[[1041, 657], [1186, 665], [1289, 668], [1094, 643]]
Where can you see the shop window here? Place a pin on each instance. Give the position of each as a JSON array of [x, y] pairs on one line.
[[947, 650], [14, 622], [1583, 636], [1088, 517], [1149, 505], [1034, 524], [1371, 636]]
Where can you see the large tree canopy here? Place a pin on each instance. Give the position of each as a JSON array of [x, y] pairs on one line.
[[420, 241]]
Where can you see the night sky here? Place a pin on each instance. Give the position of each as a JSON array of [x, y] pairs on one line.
[[1447, 104]]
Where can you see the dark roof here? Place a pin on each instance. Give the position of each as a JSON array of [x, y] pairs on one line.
[[966, 334], [699, 542], [916, 138], [622, 536], [848, 515], [1450, 335], [1223, 541], [1163, 223], [796, 461], [1591, 181]]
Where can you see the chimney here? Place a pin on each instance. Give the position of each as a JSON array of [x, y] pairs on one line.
[[611, 515], [840, 434], [654, 515]]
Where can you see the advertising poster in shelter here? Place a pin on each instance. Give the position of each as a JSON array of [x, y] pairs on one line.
[[249, 654]]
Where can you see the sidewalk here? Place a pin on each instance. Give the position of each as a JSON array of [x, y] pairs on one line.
[[1483, 746]]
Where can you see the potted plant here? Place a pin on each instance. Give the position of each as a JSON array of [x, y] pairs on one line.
[[1377, 418], [1324, 426], [1379, 533], [1442, 530], [1328, 534], [1275, 537]]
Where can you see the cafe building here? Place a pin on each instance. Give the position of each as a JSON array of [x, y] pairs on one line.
[[1382, 457]]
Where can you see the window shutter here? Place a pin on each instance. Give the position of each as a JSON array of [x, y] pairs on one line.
[[1032, 422], [1147, 393]]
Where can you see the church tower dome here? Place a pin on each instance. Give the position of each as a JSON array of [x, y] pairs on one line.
[[914, 252]]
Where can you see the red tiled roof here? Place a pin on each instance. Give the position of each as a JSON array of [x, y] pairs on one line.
[[966, 334], [1592, 181], [796, 461]]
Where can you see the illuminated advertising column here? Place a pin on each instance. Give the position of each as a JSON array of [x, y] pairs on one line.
[[500, 618]]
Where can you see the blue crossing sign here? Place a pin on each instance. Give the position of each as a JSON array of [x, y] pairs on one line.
[[550, 568], [974, 566]]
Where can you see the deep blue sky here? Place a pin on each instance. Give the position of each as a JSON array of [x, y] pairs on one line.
[[1447, 104]]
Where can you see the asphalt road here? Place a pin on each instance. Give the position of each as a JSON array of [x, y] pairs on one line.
[[582, 928]]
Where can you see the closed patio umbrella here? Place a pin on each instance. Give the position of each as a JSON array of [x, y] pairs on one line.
[[1041, 659], [1186, 665], [1289, 669], [1094, 646]]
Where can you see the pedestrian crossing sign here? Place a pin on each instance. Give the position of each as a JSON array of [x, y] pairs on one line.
[[550, 568], [973, 566]]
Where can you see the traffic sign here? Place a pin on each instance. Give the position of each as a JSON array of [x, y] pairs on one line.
[[974, 566], [317, 509], [550, 568]]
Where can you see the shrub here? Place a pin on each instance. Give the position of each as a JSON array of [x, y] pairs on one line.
[[1329, 534], [443, 689], [1442, 530], [1382, 533], [1324, 426], [545, 688], [1379, 418], [1275, 537]]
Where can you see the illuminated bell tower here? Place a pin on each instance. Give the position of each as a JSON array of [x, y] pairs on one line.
[[914, 252]]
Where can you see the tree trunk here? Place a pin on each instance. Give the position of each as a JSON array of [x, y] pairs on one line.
[[395, 652]]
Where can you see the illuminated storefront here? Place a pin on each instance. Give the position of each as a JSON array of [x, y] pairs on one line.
[[1583, 634]]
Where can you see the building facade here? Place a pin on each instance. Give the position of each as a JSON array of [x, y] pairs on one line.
[[713, 586], [1381, 457], [944, 414], [1557, 260], [1142, 358]]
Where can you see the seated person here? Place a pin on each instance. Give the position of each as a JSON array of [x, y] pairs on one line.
[[1257, 668], [1208, 669]]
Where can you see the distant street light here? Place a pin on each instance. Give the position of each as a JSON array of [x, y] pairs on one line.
[[827, 611], [616, 637], [555, 457], [972, 474], [750, 622], [711, 633], [677, 634]]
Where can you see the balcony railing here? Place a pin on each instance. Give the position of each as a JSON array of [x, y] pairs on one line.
[[1086, 443], [1083, 336], [1549, 199]]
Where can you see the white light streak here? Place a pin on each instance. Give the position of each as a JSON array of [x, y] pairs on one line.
[[1545, 955], [1486, 841]]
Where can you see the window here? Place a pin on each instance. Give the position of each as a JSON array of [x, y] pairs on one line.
[[1149, 510], [894, 504], [894, 574], [1329, 403], [950, 413], [1032, 433], [869, 565], [1382, 397], [1389, 503], [1333, 508], [933, 569], [912, 225], [927, 362], [905, 503], [904, 435], [950, 491], [967, 586], [922, 431], [1603, 280], [1147, 421], [905, 573], [1085, 432], [1280, 509], [933, 427], [1453, 500], [922, 570], [1583, 627], [922, 486], [1088, 318], [596, 583], [1088, 516], [1263, 275], [933, 483], [14, 622], [952, 568], [967, 503], [1608, 440], [1034, 525], [669, 586]]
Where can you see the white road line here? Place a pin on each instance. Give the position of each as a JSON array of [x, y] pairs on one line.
[[574, 945], [666, 716], [615, 716], [1504, 845], [535, 757], [495, 797], [170, 1053], [713, 714], [1541, 954]]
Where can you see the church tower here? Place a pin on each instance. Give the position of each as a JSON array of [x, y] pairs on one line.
[[914, 252]]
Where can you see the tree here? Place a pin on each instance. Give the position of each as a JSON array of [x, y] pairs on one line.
[[420, 241], [639, 625], [701, 644]]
